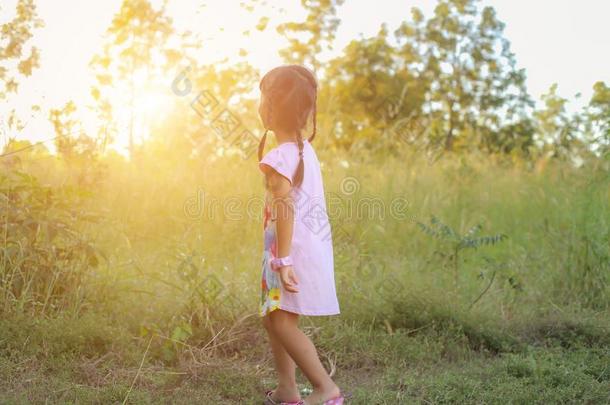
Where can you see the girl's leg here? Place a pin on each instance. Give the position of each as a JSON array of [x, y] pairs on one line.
[[284, 365], [302, 350]]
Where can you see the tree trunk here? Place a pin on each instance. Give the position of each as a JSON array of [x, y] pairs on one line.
[[449, 137]]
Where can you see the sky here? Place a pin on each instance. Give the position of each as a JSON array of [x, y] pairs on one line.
[[556, 41]]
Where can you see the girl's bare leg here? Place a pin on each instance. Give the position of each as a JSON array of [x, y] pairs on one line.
[[284, 326], [285, 367]]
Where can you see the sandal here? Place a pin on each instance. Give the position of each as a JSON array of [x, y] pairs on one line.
[[271, 401], [340, 400]]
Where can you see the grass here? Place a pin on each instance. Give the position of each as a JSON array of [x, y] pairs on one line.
[[87, 361], [168, 313]]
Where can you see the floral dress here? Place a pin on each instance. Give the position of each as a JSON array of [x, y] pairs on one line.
[[270, 280]]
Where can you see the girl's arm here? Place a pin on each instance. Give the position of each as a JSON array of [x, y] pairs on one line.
[[283, 206]]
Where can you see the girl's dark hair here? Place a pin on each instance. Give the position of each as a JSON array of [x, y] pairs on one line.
[[291, 93]]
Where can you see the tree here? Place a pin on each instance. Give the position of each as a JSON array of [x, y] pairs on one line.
[[473, 85], [15, 60], [556, 130], [358, 82], [14, 36], [599, 116], [137, 47], [77, 150], [320, 26]]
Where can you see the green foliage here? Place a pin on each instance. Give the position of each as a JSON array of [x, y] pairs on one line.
[[439, 230], [177, 289], [154, 286], [599, 115], [76, 149], [457, 242], [14, 37], [320, 26], [168, 346], [452, 74], [139, 34], [469, 69], [44, 255]]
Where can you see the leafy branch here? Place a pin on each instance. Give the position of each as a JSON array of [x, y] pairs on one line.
[[458, 242]]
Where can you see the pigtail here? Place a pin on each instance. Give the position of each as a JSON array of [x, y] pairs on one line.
[[298, 176], [315, 103]]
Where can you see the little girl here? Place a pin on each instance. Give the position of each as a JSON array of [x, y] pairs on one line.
[[297, 274]]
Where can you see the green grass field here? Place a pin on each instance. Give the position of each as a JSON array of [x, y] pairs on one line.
[[165, 310]]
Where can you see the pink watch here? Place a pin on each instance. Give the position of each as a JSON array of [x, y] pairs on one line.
[[278, 262]]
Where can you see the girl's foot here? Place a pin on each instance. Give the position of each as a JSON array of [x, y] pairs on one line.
[[321, 394], [286, 394]]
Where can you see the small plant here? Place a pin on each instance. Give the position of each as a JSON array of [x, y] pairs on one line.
[[172, 339], [457, 242], [44, 252]]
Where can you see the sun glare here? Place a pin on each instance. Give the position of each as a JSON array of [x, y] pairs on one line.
[[138, 105]]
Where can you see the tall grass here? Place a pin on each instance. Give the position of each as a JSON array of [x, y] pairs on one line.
[[177, 252], [555, 217]]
